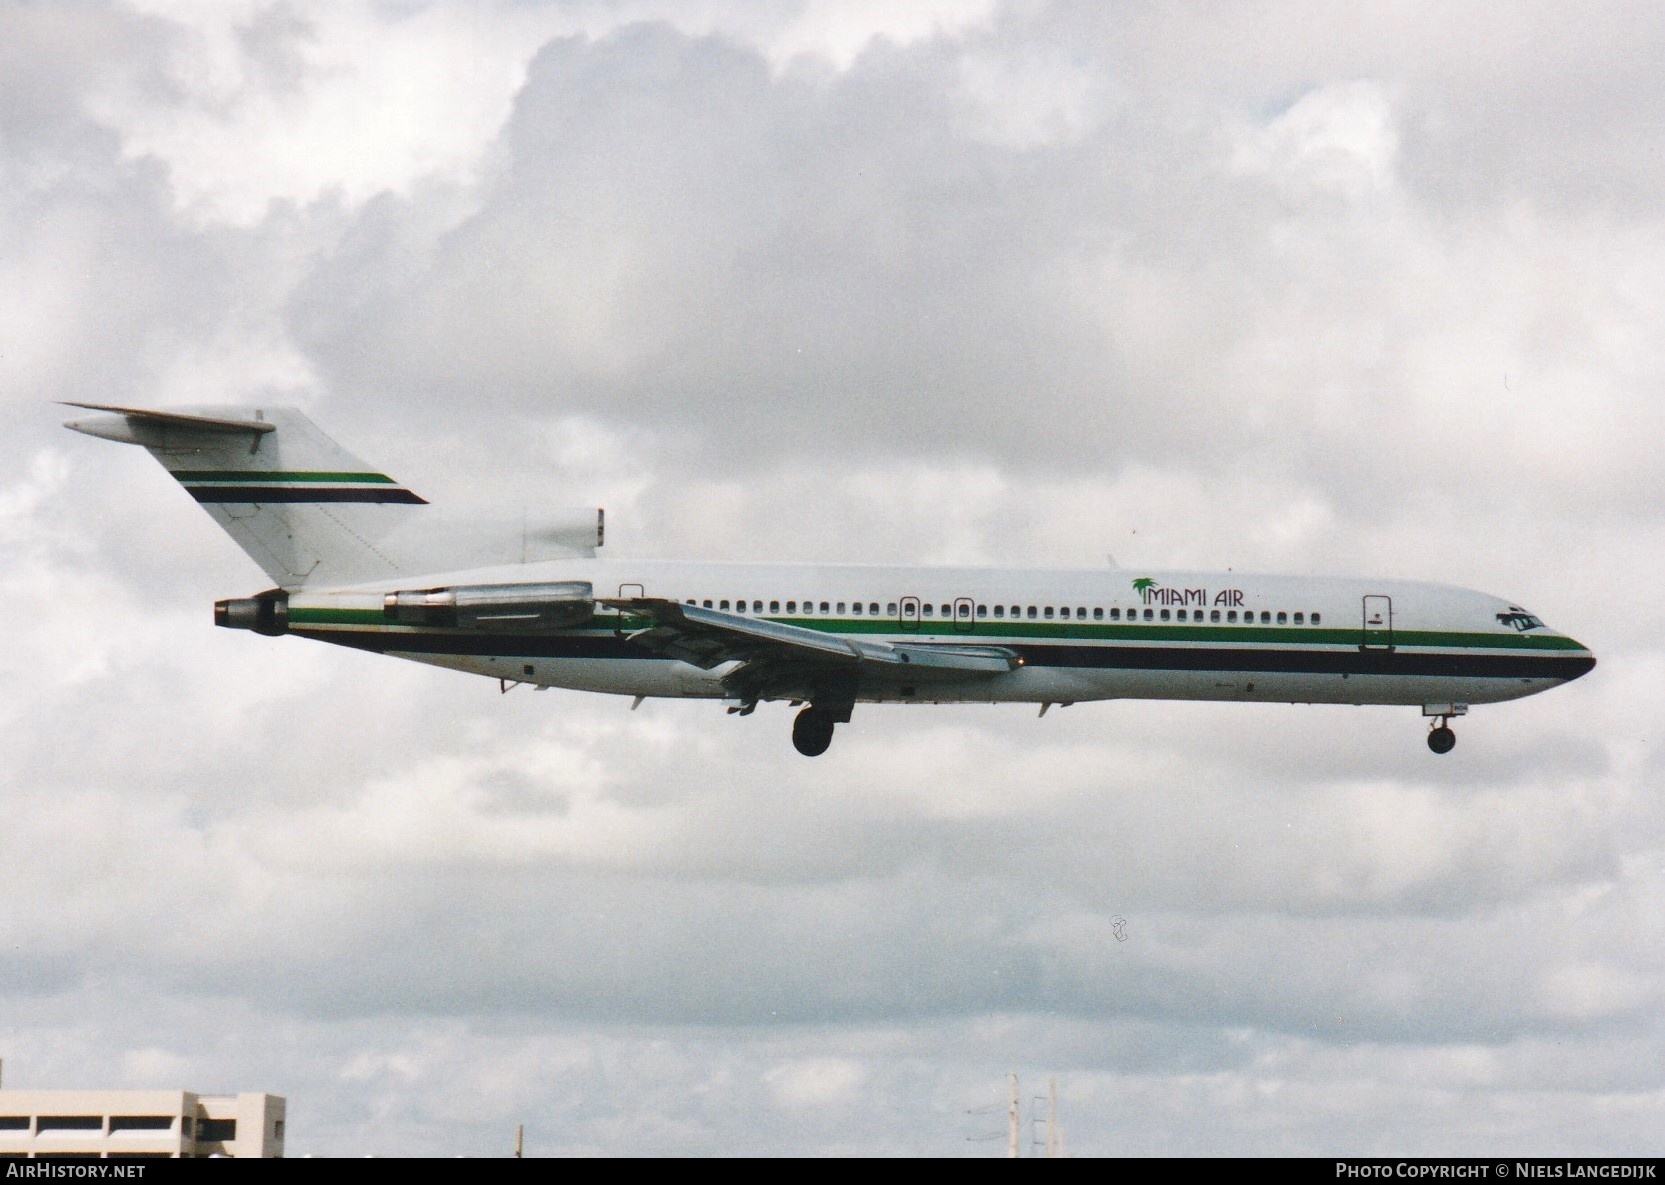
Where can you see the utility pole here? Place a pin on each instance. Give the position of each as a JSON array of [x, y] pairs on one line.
[[1012, 1138], [520, 1139]]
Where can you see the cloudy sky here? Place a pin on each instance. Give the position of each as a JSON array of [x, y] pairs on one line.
[[1278, 286]]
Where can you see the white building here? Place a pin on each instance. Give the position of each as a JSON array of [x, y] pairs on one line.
[[103, 1123]]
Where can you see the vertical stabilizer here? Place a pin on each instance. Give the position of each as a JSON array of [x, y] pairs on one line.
[[303, 508]]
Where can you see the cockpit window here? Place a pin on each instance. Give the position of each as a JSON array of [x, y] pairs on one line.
[[1520, 619]]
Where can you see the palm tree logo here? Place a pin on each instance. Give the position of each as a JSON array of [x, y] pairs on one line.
[[1142, 586]]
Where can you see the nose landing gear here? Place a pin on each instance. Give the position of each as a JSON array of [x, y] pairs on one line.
[[1440, 737]]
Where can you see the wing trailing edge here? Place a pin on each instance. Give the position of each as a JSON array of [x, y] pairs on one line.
[[778, 660]]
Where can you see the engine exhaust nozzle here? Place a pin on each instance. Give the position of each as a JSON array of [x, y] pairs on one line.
[[266, 614]]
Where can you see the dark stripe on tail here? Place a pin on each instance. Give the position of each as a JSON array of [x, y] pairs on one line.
[[274, 494]]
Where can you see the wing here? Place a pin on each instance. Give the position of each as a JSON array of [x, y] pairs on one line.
[[778, 661]]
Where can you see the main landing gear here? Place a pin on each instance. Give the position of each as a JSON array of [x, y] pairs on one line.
[[812, 730], [1440, 737]]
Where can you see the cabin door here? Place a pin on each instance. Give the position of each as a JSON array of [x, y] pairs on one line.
[[907, 613], [1378, 624]]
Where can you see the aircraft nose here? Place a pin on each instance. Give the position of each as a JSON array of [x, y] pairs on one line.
[[1580, 662]]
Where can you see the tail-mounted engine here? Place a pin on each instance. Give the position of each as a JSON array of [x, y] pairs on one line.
[[518, 607], [266, 614]]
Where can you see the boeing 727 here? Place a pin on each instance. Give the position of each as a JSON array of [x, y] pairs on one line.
[[359, 560]]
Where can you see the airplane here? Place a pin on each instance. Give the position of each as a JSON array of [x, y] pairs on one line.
[[359, 560]]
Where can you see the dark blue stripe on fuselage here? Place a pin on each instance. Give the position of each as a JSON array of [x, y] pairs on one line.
[[273, 494], [1130, 658]]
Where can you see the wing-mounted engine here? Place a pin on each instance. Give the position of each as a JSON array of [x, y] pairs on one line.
[[523, 608]]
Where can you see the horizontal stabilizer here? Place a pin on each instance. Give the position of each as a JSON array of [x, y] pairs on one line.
[[108, 429]]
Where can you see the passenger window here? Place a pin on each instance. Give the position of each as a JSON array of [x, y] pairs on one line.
[[873, 608], [1164, 615], [948, 610], [856, 608], [1033, 613], [1047, 613], [690, 600], [1265, 617], [791, 606], [842, 609], [1231, 616], [982, 611], [774, 606], [1300, 618], [1116, 614], [1098, 613], [722, 604], [757, 606], [1214, 615], [1150, 615], [1000, 611], [824, 607], [928, 610], [707, 604], [1182, 615], [1315, 619], [1283, 618]]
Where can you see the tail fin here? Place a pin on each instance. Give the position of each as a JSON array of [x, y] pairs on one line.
[[308, 511]]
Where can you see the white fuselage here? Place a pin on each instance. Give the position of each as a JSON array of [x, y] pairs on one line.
[[1080, 634]]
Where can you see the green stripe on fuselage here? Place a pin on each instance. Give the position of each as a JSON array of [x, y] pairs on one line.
[[337, 616]]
